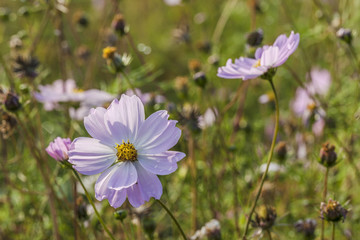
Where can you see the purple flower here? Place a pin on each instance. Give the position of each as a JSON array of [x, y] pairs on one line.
[[127, 150], [266, 57], [59, 148], [305, 106], [66, 91]]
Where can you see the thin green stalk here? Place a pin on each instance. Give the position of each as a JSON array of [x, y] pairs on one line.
[[173, 218], [129, 82], [269, 234], [269, 158], [324, 200], [333, 232], [93, 205]]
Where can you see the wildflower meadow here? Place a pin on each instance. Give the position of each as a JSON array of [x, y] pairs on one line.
[[179, 119]]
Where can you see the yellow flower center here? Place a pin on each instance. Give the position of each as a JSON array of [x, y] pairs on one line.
[[126, 152], [257, 64], [311, 106], [109, 52], [78, 90]]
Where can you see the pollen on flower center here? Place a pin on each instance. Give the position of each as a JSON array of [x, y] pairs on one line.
[[257, 64], [78, 90], [126, 152], [311, 106]]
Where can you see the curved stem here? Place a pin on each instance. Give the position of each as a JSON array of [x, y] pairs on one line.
[[269, 158], [93, 205], [173, 218]]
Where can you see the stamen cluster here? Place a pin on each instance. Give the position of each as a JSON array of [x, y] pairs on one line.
[[126, 152]]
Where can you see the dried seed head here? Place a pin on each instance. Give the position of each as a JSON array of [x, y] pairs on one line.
[[7, 125], [118, 24], [255, 38], [345, 35], [200, 79], [281, 150], [12, 102], [264, 217], [332, 211], [194, 65], [328, 155], [307, 227]]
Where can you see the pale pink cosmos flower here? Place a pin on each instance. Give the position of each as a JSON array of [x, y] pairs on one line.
[[66, 91], [266, 58], [59, 148], [305, 105], [128, 150]]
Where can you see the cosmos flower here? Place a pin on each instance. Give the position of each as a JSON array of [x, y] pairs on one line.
[[127, 150], [59, 148], [66, 91], [304, 104], [266, 58]]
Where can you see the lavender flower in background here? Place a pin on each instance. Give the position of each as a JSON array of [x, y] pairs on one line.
[[66, 91], [146, 97], [127, 150], [305, 106], [208, 119], [266, 58], [59, 148]]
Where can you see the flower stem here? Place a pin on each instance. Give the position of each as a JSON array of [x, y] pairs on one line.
[[269, 158], [333, 231], [93, 205], [129, 82], [269, 234], [173, 218], [324, 200]]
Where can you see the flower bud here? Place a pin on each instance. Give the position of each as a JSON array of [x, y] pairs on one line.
[[81, 19], [328, 155], [12, 102], [306, 227], [81, 211], [120, 215], [118, 24], [194, 65], [255, 38], [204, 46], [265, 217], [281, 150], [59, 148], [333, 211], [200, 79], [345, 35]]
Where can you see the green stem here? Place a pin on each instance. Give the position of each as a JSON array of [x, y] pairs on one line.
[[93, 205], [173, 218], [269, 234], [333, 231], [324, 200], [129, 82], [269, 158]]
